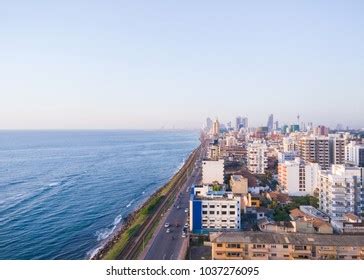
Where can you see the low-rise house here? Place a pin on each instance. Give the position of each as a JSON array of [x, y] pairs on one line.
[[350, 224], [306, 223], [265, 225], [280, 198]]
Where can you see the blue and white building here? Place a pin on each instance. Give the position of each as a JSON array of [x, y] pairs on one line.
[[212, 208]]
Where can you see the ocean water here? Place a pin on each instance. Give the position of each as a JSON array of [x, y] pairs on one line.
[[62, 193]]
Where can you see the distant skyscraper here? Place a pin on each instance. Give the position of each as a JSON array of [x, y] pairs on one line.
[[238, 122], [245, 123], [270, 123], [216, 128], [208, 124], [276, 125], [241, 122]]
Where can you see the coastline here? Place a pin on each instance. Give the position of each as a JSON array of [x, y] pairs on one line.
[[155, 200]]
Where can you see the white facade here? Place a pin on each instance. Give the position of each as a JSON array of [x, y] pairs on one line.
[[213, 171], [286, 156], [257, 157], [340, 190], [290, 144], [354, 154], [298, 178], [219, 209], [231, 141]]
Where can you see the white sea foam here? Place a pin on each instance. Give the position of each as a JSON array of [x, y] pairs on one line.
[[130, 203], [54, 184], [90, 254], [106, 232], [117, 220]]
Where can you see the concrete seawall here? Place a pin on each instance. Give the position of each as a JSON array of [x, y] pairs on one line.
[[166, 196]]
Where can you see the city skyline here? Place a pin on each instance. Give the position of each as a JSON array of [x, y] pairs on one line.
[[159, 65]]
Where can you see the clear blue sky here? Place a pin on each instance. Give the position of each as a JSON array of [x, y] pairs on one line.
[[148, 64]]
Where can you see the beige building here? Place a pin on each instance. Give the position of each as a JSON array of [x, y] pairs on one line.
[[239, 184], [216, 128], [286, 246], [337, 148], [315, 149], [213, 171]]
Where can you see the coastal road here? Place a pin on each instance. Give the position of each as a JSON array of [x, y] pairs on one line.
[[168, 246]]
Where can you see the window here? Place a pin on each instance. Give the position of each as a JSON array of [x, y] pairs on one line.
[[285, 246], [233, 254], [286, 256], [212, 212], [204, 212], [232, 212], [273, 254], [223, 212], [204, 206], [223, 206], [233, 245], [232, 206], [219, 245], [273, 246], [212, 206]]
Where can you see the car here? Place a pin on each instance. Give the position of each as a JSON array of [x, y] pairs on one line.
[[168, 230], [186, 225], [166, 225], [184, 235], [186, 210], [178, 207]]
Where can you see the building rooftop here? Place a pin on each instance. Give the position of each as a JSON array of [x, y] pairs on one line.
[[287, 238], [238, 178]]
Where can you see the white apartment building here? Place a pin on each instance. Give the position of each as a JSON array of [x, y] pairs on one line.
[[213, 171], [290, 144], [257, 157], [297, 177], [354, 154], [340, 191], [286, 156], [230, 141], [214, 210]]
